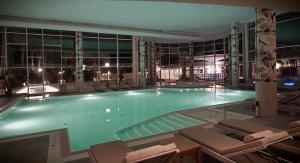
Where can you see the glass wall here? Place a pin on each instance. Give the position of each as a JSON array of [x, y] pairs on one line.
[[43, 59]]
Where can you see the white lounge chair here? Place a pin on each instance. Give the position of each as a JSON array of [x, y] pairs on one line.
[[225, 148]]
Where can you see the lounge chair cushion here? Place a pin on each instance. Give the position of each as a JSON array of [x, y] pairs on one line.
[[277, 136], [217, 142], [256, 136], [111, 152], [246, 126], [148, 152], [294, 131], [294, 124]]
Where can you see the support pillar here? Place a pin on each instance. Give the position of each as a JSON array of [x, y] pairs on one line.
[[79, 62], [151, 62], [234, 49], [266, 87], [191, 60], [142, 55], [135, 61], [246, 53]]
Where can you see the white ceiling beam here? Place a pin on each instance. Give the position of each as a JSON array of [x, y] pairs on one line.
[[96, 28], [286, 5]]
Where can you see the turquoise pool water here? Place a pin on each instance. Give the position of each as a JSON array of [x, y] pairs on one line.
[[96, 118]]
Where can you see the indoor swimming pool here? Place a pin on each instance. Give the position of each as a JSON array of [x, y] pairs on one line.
[[103, 117]]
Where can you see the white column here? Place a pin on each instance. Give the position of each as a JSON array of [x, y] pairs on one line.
[[79, 61], [234, 48], [135, 61], [266, 87], [246, 53], [153, 60], [191, 60], [142, 54]]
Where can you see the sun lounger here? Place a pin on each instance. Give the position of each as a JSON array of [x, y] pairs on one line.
[[223, 148], [119, 152], [287, 149], [285, 100], [242, 127]]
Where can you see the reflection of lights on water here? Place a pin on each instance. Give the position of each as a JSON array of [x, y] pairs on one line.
[[107, 110], [181, 90], [90, 97], [157, 92], [133, 93], [37, 89], [22, 124], [107, 120], [29, 109]]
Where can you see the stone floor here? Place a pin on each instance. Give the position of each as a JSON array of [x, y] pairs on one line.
[[31, 150]]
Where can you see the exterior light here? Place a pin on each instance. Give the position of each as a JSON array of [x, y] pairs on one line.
[[40, 69], [106, 64]]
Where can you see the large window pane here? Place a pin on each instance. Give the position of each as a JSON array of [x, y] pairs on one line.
[[35, 56], [52, 56], [16, 38], [110, 61], [68, 54], [52, 40], [125, 48], [2, 55], [18, 77], [16, 55], [108, 48]]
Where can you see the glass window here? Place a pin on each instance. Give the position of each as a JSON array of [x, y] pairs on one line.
[[125, 48], [52, 40], [124, 37], [108, 36], [16, 55], [19, 76], [108, 48], [51, 32], [125, 61], [90, 47], [68, 53], [174, 59], [52, 75], [35, 54], [87, 34], [67, 33], [16, 29], [111, 61], [16, 38], [34, 30], [2, 55], [35, 75], [52, 56]]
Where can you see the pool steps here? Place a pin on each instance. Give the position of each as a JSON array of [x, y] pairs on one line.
[[160, 124]]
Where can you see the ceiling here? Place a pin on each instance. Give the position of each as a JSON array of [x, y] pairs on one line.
[[201, 19]]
